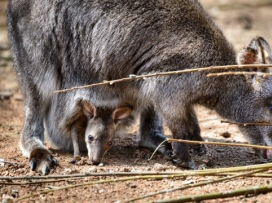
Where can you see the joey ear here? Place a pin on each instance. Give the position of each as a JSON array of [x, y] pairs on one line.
[[257, 52], [121, 113], [89, 110]]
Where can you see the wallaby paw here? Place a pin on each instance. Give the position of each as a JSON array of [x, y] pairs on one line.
[[200, 151], [76, 159], [185, 164], [181, 156], [42, 160]]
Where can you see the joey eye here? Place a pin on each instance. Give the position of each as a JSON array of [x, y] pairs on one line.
[[270, 107], [90, 138], [110, 143]]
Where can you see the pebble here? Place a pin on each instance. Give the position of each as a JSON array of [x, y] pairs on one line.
[[101, 165], [159, 167], [7, 198]]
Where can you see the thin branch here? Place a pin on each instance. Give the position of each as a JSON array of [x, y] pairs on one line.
[[216, 195], [96, 182], [33, 183], [9, 162], [213, 171], [218, 143], [135, 77], [195, 185], [240, 73], [249, 124]]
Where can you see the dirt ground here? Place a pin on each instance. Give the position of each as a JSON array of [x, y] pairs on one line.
[[240, 20]]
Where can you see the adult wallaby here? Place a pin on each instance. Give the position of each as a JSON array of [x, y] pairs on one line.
[[61, 44]]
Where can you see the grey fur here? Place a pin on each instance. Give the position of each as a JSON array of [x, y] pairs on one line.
[[60, 44]]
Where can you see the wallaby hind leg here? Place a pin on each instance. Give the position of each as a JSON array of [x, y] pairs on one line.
[[75, 141], [194, 133], [151, 131]]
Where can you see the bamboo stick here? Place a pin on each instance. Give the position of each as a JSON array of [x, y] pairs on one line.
[[213, 171], [216, 195], [194, 185], [135, 77]]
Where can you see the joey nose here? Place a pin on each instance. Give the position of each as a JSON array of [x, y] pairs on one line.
[[110, 143], [95, 161]]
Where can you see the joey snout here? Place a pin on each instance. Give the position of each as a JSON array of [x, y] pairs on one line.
[[97, 148]]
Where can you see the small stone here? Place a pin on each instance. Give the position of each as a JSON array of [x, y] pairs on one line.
[[101, 165], [14, 193], [126, 170], [159, 167], [100, 191], [7, 198], [225, 134], [2, 163]]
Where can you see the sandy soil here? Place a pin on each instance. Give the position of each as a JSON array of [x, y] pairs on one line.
[[240, 24]]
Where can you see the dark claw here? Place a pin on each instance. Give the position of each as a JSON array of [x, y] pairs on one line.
[[200, 151], [45, 170], [54, 162], [33, 165], [190, 164], [170, 153], [177, 161]]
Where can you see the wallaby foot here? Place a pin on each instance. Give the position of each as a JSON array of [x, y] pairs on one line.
[[181, 156], [76, 159], [262, 153], [200, 150], [42, 159]]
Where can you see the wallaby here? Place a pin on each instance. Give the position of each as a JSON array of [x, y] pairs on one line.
[[62, 44]]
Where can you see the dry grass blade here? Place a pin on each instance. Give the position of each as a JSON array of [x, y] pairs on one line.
[[195, 185], [136, 77], [249, 124]]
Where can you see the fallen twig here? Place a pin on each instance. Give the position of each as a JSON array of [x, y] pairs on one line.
[[32, 183], [135, 77], [213, 171], [195, 185], [9, 162], [215, 195], [218, 143]]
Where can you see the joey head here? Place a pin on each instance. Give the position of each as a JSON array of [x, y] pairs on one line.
[[101, 127]]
